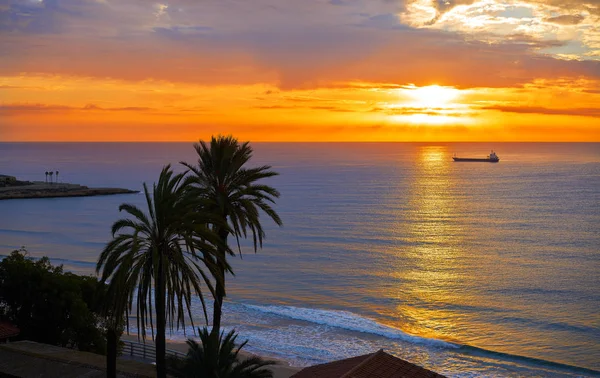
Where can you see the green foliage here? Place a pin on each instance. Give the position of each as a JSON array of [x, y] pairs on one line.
[[218, 357], [50, 306]]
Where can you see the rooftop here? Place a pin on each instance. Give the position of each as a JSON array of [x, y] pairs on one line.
[[374, 365], [8, 330], [30, 359]]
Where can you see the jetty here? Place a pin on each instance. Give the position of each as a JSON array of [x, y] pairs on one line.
[[39, 189]]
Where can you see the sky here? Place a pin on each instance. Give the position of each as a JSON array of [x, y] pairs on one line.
[[300, 70]]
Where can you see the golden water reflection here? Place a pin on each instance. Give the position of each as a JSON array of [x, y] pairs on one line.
[[428, 267]]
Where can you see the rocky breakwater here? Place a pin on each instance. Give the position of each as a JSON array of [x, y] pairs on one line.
[[52, 190]]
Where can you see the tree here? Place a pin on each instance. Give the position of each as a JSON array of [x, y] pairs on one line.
[[231, 191], [113, 310], [46, 177], [50, 306], [56, 176], [217, 357], [51, 174], [165, 250]]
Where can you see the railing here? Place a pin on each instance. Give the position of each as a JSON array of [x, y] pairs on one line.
[[146, 351]]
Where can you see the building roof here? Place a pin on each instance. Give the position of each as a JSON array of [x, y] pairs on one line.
[[31, 359], [8, 330], [374, 365]]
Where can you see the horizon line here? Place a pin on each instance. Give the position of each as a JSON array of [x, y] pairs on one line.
[[298, 141]]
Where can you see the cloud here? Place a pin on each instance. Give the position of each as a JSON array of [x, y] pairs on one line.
[[24, 108], [574, 23], [17, 87], [570, 5], [289, 44], [296, 107], [15, 108], [584, 112], [419, 110], [567, 19]]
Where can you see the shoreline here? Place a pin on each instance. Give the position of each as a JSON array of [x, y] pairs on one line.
[[46, 190], [280, 370]]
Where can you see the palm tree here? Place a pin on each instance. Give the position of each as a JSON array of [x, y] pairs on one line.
[[56, 176], [51, 174], [217, 357], [232, 193], [46, 177], [164, 249]]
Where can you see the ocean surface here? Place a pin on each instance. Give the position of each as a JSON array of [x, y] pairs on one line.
[[469, 269]]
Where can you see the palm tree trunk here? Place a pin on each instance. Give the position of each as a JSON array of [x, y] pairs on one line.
[[220, 286], [111, 353], [218, 303], [159, 300]]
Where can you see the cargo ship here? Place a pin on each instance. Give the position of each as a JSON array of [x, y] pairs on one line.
[[492, 158]]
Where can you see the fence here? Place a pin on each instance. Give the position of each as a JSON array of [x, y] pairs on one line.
[[146, 351]]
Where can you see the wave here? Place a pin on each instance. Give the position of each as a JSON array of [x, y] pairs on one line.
[[353, 322], [482, 352], [348, 321]]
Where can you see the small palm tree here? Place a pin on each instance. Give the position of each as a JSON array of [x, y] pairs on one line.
[[51, 174], [218, 357], [56, 176], [159, 255], [46, 177], [231, 191]]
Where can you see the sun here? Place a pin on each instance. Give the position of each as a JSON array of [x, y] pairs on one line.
[[432, 96], [428, 105]]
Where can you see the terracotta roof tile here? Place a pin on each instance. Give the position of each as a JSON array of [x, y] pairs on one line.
[[8, 330], [373, 365]]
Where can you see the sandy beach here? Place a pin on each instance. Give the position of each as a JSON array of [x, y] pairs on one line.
[[280, 370]]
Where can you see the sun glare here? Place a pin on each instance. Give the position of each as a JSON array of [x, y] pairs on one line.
[[430, 105], [432, 96]]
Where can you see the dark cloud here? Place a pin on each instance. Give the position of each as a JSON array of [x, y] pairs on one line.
[[45, 17], [584, 112], [329, 108], [10, 108], [591, 6], [566, 19], [23, 108], [532, 41]]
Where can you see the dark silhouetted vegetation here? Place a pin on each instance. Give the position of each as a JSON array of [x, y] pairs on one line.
[[160, 255], [51, 306], [218, 357], [232, 192]]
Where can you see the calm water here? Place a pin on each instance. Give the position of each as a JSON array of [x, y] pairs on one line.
[[471, 269]]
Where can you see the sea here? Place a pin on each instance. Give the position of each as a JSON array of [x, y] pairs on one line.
[[468, 269]]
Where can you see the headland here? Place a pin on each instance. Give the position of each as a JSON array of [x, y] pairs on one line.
[[39, 189]]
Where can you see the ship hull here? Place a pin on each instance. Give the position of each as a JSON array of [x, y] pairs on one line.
[[487, 160]]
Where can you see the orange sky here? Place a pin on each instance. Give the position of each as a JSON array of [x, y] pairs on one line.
[[414, 70]]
